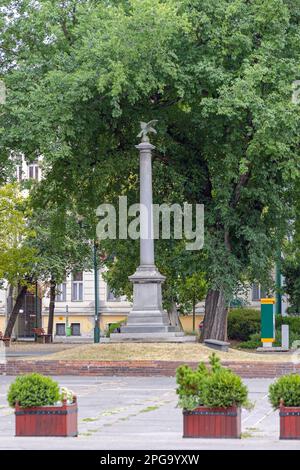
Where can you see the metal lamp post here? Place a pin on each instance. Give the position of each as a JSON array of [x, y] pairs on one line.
[[96, 279], [96, 288]]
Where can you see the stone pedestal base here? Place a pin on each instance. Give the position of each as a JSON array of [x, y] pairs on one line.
[[175, 337], [147, 315]]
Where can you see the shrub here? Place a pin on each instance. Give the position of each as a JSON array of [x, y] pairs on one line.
[[286, 388], [293, 322], [253, 342], [255, 339], [33, 390], [214, 387], [224, 389], [113, 327], [191, 385], [242, 323]]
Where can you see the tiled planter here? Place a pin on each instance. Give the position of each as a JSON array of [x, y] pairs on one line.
[[206, 422]]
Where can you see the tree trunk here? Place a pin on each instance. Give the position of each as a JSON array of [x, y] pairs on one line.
[[215, 318], [194, 313], [51, 305], [15, 311], [174, 317]]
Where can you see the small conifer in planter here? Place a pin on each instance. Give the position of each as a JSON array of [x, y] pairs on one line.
[[285, 395], [40, 408], [211, 399]]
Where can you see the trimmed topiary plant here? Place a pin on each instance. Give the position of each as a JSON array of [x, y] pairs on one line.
[[41, 409], [214, 387], [224, 389], [285, 390], [211, 399], [285, 395], [33, 390]]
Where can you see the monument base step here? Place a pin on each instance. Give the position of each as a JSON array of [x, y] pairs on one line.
[[171, 337], [149, 328]]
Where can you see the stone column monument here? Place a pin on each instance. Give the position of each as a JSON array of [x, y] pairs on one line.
[[147, 321]]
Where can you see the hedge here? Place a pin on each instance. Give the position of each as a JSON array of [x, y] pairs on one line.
[[242, 323]]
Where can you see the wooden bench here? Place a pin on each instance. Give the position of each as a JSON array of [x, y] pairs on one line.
[[6, 340], [42, 336], [216, 344]]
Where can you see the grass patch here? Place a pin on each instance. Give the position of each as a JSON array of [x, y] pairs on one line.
[[246, 435], [150, 408]]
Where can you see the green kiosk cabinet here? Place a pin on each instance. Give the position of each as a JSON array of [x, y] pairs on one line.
[[267, 322]]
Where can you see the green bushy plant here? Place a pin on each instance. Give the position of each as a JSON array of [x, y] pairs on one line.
[[254, 341], [242, 323], [113, 327], [287, 389], [214, 387], [33, 390], [293, 322], [224, 389]]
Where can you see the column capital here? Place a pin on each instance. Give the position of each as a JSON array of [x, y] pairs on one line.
[[143, 146]]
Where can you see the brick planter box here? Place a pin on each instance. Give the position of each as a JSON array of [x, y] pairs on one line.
[[224, 423], [289, 422], [47, 420]]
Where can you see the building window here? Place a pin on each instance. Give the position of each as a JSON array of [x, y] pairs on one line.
[[60, 329], [19, 173], [111, 296], [258, 292], [61, 292], [33, 171], [77, 286], [75, 329]]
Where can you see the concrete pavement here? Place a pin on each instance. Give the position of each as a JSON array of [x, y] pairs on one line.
[[141, 413]]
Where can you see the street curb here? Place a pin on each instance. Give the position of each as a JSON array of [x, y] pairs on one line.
[[140, 368]]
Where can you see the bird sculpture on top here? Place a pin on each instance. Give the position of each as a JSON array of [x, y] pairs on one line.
[[147, 127]]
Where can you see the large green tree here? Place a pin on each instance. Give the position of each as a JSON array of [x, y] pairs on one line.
[[217, 75], [16, 257], [61, 245]]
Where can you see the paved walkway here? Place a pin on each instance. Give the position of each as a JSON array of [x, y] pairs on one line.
[[140, 413]]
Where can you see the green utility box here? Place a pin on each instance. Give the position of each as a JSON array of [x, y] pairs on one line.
[[68, 330], [267, 322]]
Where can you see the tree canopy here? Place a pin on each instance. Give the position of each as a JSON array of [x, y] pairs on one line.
[[16, 258], [217, 75]]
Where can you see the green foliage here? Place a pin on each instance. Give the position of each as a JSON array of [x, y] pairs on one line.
[[16, 258], [217, 75], [242, 323], [224, 389], [33, 390], [286, 388], [254, 340], [113, 327], [290, 262], [61, 244], [214, 387], [293, 322], [291, 272], [191, 290]]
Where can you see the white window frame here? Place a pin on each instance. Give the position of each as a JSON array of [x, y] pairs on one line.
[[77, 294], [35, 169], [61, 294]]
